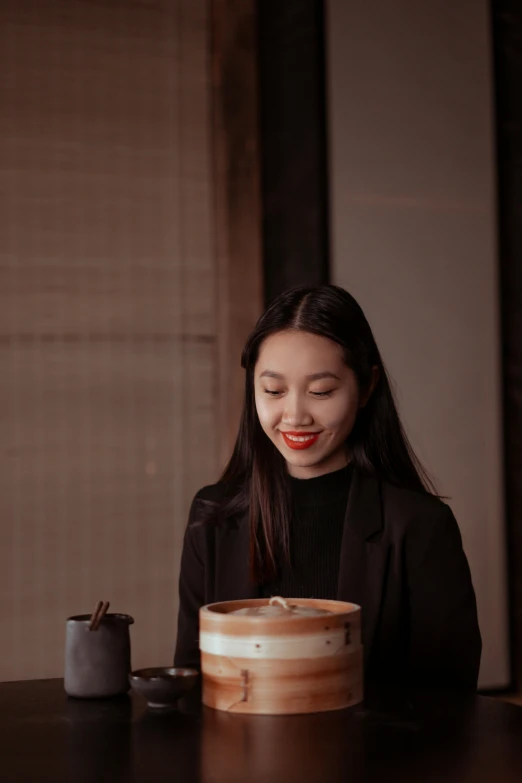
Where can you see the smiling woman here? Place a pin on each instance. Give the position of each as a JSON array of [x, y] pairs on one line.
[[302, 409], [324, 498]]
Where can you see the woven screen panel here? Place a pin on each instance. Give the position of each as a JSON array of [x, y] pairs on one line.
[[107, 316]]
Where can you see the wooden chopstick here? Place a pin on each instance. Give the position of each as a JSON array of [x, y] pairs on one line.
[[101, 614], [95, 614], [98, 615]]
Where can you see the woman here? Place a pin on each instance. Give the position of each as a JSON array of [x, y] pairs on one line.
[[324, 498]]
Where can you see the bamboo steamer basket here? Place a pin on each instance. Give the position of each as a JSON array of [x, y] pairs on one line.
[[281, 665]]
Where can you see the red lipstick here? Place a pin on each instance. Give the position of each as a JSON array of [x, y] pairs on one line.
[[309, 439]]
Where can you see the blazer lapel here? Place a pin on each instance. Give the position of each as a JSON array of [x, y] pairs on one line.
[[364, 556], [232, 577]]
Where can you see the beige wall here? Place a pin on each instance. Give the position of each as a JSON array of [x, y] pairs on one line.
[[413, 238], [107, 316]]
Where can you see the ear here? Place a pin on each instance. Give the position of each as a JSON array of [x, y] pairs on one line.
[[369, 391]]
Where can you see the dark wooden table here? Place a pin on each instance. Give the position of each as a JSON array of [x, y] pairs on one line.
[[44, 736]]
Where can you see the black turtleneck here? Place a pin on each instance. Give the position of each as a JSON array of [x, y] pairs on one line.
[[316, 529]]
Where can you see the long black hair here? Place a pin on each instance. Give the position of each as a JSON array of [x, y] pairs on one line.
[[256, 475]]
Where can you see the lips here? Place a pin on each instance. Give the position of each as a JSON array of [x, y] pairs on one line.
[[300, 440]]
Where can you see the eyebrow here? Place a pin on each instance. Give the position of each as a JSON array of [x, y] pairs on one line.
[[316, 376]]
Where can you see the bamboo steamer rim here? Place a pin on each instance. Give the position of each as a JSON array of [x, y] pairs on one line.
[[212, 612]]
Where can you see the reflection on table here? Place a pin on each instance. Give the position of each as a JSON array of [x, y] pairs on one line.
[[422, 737]]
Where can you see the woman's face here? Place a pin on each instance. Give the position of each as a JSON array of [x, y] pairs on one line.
[[307, 401]]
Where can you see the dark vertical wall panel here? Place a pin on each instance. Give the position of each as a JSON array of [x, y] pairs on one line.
[[507, 35], [237, 201], [293, 143]]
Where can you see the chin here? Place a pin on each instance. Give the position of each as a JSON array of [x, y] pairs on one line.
[[303, 462]]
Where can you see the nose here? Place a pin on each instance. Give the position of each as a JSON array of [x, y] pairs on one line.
[[295, 413]]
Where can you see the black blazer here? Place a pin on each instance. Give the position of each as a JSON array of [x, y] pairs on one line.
[[401, 560]]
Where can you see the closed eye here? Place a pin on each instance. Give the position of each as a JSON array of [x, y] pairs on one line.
[[322, 394], [272, 393]]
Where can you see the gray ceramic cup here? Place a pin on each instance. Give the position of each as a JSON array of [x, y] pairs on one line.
[[97, 663]]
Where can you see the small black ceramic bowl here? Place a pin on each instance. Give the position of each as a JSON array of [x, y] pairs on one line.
[[163, 687]]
